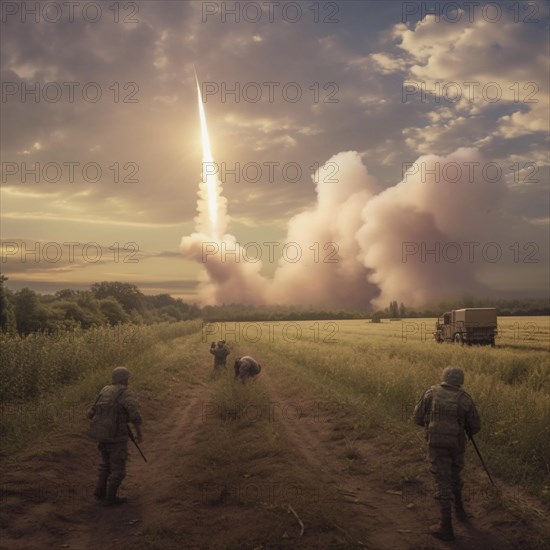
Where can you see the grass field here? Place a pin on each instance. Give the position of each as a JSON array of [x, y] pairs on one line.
[[365, 378], [381, 370], [46, 379]]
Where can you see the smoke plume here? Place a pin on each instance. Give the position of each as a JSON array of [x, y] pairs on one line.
[[426, 238]]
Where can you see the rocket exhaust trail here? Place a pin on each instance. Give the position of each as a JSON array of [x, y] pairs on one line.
[[219, 279], [209, 178]]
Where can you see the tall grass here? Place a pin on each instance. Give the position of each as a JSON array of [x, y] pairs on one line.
[[47, 379], [36, 364], [382, 374]]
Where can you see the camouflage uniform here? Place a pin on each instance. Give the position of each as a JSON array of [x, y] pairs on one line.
[[447, 411], [246, 367], [220, 353], [114, 450]]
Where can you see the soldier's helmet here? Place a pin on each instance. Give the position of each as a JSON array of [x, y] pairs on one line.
[[120, 374], [453, 376]]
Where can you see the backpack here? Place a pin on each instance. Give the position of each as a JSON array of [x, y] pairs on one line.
[[444, 428], [104, 416]]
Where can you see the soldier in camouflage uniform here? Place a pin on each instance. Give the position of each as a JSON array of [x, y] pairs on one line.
[[220, 351], [115, 406], [447, 412], [246, 367]]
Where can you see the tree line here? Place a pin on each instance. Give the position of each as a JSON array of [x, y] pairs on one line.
[[106, 303], [113, 303], [246, 313]]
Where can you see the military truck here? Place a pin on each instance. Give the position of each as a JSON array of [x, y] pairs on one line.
[[467, 326]]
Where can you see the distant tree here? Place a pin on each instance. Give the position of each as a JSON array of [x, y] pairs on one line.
[[402, 310], [29, 316], [87, 318], [126, 294], [135, 317], [171, 313], [194, 312], [113, 311], [161, 300], [4, 304], [393, 310], [65, 294], [7, 315]]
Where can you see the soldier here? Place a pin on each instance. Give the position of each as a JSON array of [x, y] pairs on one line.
[[114, 407], [447, 412], [220, 351], [246, 367]]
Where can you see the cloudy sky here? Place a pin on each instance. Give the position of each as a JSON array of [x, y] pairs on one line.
[[381, 140]]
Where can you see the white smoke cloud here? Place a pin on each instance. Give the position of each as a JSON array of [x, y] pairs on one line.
[[202, 220], [425, 212], [227, 278], [330, 273], [326, 272], [376, 240], [427, 238]]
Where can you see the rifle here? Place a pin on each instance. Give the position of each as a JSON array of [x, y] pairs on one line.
[[132, 437], [471, 437]]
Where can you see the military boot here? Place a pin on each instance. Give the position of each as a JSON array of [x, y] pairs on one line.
[[111, 498], [460, 512], [101, 487], [444, 530]]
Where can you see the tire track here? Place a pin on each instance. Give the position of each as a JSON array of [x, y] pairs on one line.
[[371, 513], [151, 487], [38, 514]]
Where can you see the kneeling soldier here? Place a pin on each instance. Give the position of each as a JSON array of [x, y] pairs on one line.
[[247, 367], [447, 411], [114, 407]]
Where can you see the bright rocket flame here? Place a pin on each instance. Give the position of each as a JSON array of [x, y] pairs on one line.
[[208, 161]]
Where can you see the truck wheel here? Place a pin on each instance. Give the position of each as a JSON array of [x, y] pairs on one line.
[[458, 338]]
